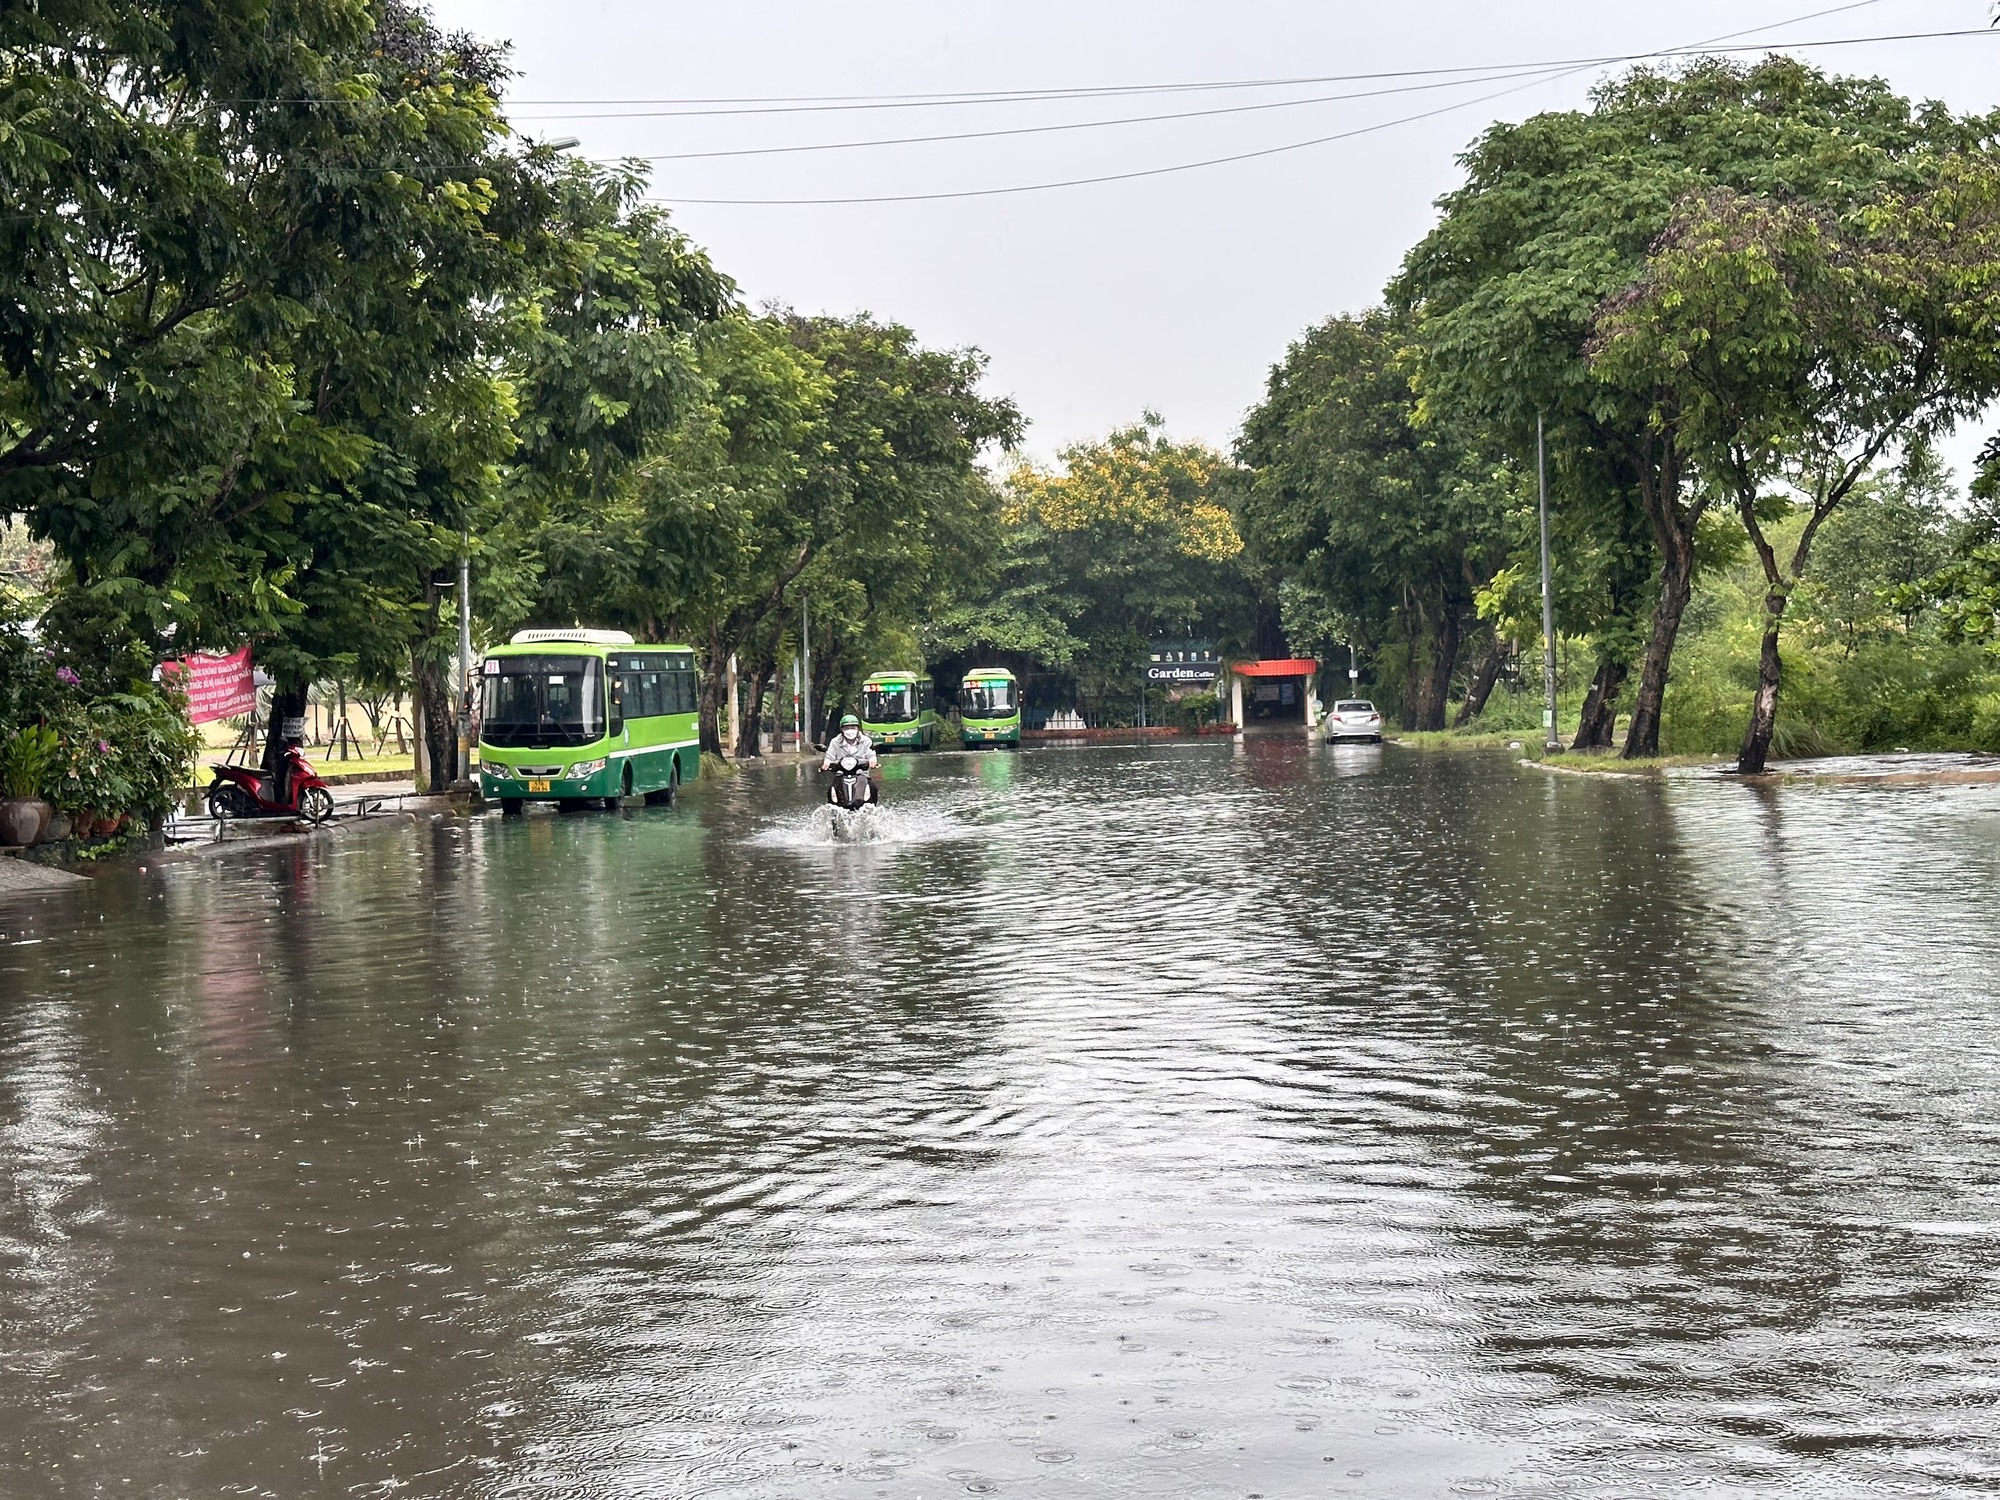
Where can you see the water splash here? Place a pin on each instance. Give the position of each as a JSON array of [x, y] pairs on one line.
[[829, 827]]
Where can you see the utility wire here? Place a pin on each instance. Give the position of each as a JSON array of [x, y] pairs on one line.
[[1240, 156], [1185, 114], [1552, 70], [820, 103]]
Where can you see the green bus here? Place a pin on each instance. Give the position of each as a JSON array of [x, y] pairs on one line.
[[582, 716], [899, 710], [989, 708]]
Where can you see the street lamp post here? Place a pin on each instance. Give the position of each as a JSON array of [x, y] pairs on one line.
[[1551, 741], [464, 667]]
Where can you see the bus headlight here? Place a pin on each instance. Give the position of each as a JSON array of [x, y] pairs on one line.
[[583, 769]]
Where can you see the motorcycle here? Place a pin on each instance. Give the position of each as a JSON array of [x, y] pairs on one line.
[[246, 792], [852, 788]]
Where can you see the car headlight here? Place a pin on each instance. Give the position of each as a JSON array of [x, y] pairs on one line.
[[585, 768]]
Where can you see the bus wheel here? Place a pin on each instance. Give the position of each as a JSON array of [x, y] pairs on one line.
[[624, 785], [664, 796], [510, 807]]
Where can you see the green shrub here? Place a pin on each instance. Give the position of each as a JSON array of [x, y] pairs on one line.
[[1194, 712], [28, 760]]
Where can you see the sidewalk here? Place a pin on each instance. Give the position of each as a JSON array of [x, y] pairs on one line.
[[19, 875]]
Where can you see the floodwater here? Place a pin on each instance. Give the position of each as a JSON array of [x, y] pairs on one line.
[[1180, 1121]]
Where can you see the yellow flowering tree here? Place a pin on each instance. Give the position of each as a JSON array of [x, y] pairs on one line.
[[1126, 540]]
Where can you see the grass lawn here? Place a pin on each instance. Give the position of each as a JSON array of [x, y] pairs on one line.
[[1455, 739], [1528, 746], [384, 766]]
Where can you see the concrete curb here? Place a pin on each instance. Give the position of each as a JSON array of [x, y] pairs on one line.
[[20, 876], [425, 810]]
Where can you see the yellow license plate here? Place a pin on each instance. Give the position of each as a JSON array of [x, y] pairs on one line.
[[538, 786]]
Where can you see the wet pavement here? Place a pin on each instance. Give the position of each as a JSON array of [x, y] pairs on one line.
[[1182, 1120]]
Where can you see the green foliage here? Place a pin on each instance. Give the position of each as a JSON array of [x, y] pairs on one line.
[[154, 746], [1558, 215], [1873, 557], [1394, 524], [116, 740], [1128, 541], [1899, 682], [1790, 348], [26, 760], [211, 364], [1194, 712]]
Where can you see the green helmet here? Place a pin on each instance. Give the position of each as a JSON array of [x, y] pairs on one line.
[[847, 719]]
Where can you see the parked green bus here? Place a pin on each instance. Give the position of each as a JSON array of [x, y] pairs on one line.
[[899, 710], [582, 716], [989, 708]]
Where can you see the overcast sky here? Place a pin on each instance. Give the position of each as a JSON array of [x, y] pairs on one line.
[[1174, 291]]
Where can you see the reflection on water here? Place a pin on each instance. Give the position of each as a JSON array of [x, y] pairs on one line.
[[1182, 1120]]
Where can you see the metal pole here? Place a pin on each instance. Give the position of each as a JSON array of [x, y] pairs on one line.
[[806, 666], [1551, 741], [464, 666]]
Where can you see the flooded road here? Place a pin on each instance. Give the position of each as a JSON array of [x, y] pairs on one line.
[[1183, 1121]]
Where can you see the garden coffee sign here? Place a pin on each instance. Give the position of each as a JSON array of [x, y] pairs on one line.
[[218, 687], [1183, 662]]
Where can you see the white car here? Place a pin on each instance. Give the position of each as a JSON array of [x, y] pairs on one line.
[[1354, 719]]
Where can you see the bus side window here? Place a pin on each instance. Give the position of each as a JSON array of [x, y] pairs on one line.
[[617, 702], [687, 693]]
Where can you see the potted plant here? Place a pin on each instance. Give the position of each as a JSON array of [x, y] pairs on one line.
[[151, 749], [26, 761], [89, 782]]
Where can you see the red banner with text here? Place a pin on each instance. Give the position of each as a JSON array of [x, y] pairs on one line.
[[218, 687]]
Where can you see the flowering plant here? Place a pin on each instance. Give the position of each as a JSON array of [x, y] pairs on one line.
[[88, 778]]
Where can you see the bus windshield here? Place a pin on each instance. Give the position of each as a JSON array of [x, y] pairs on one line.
[[991, 698], [539, 702], [893, 703]]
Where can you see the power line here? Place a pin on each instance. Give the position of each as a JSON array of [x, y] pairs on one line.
[[1201, 114], [1241, 156], [821, 103], [1186, 114]]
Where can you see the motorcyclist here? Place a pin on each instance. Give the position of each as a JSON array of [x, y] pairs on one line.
[[850, 743]]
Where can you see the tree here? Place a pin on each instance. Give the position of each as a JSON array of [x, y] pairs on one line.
[[1396, 522], [1796, 348], [1133, 539], [1558, 213], [606, 357], [248, 378], [1872, 558], [810, 438]]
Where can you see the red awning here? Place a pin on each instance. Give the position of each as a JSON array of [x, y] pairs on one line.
[[1275, 668]]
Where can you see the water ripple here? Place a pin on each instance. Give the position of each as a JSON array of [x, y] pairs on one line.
[[1185, 1121]]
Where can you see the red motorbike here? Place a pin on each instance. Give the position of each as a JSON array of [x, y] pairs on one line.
[[246, 792]]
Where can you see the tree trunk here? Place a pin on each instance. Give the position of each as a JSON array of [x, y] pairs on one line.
[[288, 701], [1597, 726], [826, 672], [1677, 583], [1433, 687], [440, 724], [761, 678], [712, 689], [1481, 687], [1764, 706], [1673, 533]]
